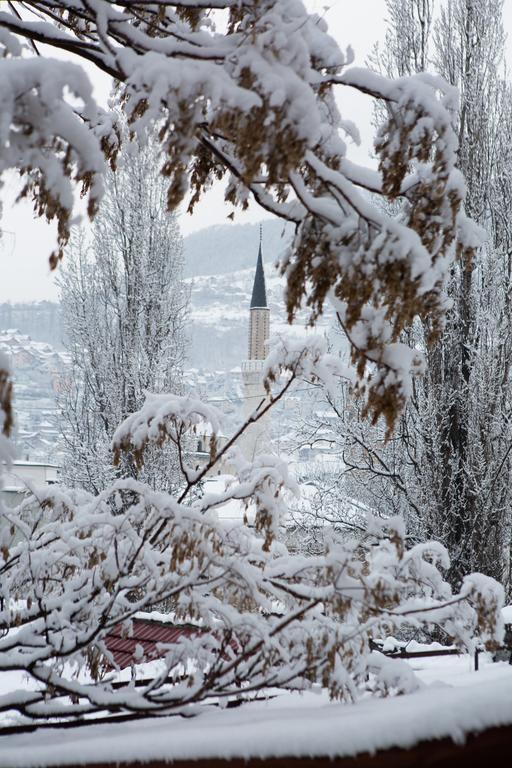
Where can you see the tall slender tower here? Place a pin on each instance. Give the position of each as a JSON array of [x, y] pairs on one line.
[[256, 438]]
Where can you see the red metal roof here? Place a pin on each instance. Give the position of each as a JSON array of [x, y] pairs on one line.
[[147, 634]]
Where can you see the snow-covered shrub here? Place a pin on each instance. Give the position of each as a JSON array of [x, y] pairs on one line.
[[74, 565]]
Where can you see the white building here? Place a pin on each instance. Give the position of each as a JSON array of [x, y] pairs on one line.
[[22, 476]]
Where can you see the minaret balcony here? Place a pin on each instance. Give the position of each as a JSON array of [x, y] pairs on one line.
[[252, 366]]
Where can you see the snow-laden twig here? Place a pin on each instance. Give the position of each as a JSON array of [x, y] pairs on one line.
[[205, 83], [73, 566]]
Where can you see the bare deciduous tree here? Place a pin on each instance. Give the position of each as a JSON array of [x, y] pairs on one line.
[[124, 307], [447, 466]]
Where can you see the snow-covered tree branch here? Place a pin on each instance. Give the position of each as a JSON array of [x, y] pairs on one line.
[[448, 464], [205, 82], [74, 566]]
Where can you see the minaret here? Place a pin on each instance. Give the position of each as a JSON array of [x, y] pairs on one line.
[[256, 438], [259, 322]]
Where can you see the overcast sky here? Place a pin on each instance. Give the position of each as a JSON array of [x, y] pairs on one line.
[[27, 242]]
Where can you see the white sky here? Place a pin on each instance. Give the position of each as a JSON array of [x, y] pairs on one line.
[[27, 241]]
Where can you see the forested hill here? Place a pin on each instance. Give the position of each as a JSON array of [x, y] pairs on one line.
[[230, 247]]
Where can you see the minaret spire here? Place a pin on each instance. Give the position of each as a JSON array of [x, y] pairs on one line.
[[259, 293]]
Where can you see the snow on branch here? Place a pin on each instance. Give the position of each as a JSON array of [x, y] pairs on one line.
[[205, 82], [74, 566], [162, 417], [53, 144], [171, 417], [307, 360]]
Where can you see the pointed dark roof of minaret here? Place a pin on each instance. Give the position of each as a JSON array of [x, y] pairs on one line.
[[259, 294]]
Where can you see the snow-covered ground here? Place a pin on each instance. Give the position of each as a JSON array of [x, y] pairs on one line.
[[291, 724]]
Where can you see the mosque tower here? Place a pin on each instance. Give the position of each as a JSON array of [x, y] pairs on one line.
[[256, 439]]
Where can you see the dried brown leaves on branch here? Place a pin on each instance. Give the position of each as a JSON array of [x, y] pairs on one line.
[[5, 401], [254, 98], [262, 617]]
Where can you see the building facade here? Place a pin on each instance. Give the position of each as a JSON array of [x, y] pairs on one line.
[[22, 476]]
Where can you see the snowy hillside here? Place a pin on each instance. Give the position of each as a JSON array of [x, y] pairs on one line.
[[229, 247], [219, 267], [220, 316]]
